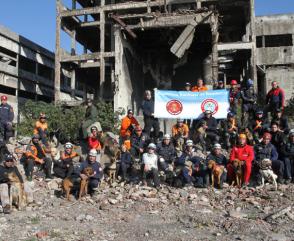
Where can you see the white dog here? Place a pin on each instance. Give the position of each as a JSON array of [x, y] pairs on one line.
[[267, 174]]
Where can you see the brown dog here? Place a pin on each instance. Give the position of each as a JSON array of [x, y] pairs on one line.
[[67, 185], [88, 171], [17, 194], [238, 173], [111, 170], [216, 172]]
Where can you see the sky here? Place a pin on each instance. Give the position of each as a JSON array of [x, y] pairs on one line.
[[35, 19]]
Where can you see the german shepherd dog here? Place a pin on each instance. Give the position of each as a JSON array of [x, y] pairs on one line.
[[17, 194]]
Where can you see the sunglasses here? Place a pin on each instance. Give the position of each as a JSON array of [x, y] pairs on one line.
[[10, 160]]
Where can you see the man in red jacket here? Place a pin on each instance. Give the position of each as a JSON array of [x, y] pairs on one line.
[[275, 99], [244, 153]]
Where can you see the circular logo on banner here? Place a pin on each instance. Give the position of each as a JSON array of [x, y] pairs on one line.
[[174, 107], [209, 104]]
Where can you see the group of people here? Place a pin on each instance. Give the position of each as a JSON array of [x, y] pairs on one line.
[[179, 157]]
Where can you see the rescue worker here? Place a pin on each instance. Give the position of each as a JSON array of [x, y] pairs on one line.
[[166, 152], [282, 121], [258, 125], [6, 118], [180, 130], [211, 131], [95, 179], [188, 86], [200, 87], [7, 167], [199, 135], [217, 156], [41, 129], [220, 85], [190, 164], [234, 96], [230, 129], [278, 137], [128, 125], [150, 163], [64, 166], [249, 100], [125, 163], [244, 153], [137, 143], [287, 155], [149, 120], [275, 99], [94, 140], [91, 116], [36, 155], [266, 150]]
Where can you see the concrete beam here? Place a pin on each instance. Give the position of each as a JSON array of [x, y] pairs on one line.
[[84, 57], [233, 46]]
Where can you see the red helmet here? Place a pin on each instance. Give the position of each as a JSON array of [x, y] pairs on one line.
[[267, 135], [234, 82], [3, 97]]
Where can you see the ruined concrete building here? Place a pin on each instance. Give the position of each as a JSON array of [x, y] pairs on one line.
[[27, 71], [130, 46]]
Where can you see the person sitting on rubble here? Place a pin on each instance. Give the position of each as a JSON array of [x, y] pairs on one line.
[[234, 96], [124, 164], [266, 150], [6, 168], [138, 140], [278, 137], [36, 155], [282, 121], [41, 129], [249, 100], [94, 140], [166, 152], [95, 179], [199, 135], [63, 167], [200, 86], [287, 156], [128, 124], [180, 133], [258, 125], [229, 130], [211, 131], [190, 164], [244, 153], [150, 165], [217, 156], [91, 116]]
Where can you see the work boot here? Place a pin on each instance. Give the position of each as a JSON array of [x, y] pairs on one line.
[[7, 209], [287, 181]]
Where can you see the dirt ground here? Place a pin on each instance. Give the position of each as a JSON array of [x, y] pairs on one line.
[[133, 212]]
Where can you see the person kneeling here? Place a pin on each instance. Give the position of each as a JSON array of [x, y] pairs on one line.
[[150, 162]]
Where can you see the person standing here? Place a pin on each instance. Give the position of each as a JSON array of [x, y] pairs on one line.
[[6, 118], [149, 119], [90, 117], [200, 86], [275, 99]]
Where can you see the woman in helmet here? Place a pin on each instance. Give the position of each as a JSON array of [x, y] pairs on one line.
[[64, 167]]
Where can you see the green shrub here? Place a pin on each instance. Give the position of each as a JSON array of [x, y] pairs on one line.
[[65, 119]]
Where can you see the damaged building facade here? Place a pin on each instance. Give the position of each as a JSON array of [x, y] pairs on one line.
[[27, 71], [130, 46]]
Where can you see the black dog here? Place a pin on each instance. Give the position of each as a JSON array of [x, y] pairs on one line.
[[3, 150]]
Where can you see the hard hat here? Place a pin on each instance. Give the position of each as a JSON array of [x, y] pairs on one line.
[[242, 136], [180, 120], [42, 116], [250, 82], [152, 146], [93, 152], [3, 97], [130, 111], [189, 143], [36, 136], [8, 157], [234, 82], [68, 145], [166, 137], [217, 146]]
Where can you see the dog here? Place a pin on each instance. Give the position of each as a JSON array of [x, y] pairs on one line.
[[267, 174], [111, 170], [55, 154], [238, 173], [88, 171], [216, 172], [17, 194], [67, 186]]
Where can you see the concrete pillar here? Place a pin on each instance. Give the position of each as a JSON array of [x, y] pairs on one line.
[[102, 50], [214, 55], [253, 72], [57, 54]]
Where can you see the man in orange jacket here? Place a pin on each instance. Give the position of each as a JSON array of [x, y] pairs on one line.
[[41, 129], [200, 87], [244, 153], [36, 155], [127, 125]]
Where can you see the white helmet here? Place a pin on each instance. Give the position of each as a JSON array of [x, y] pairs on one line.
[[152, 146], [217, 146], [291, 133], [68, 145], [93, 152], [166, 137], [189, 143]]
